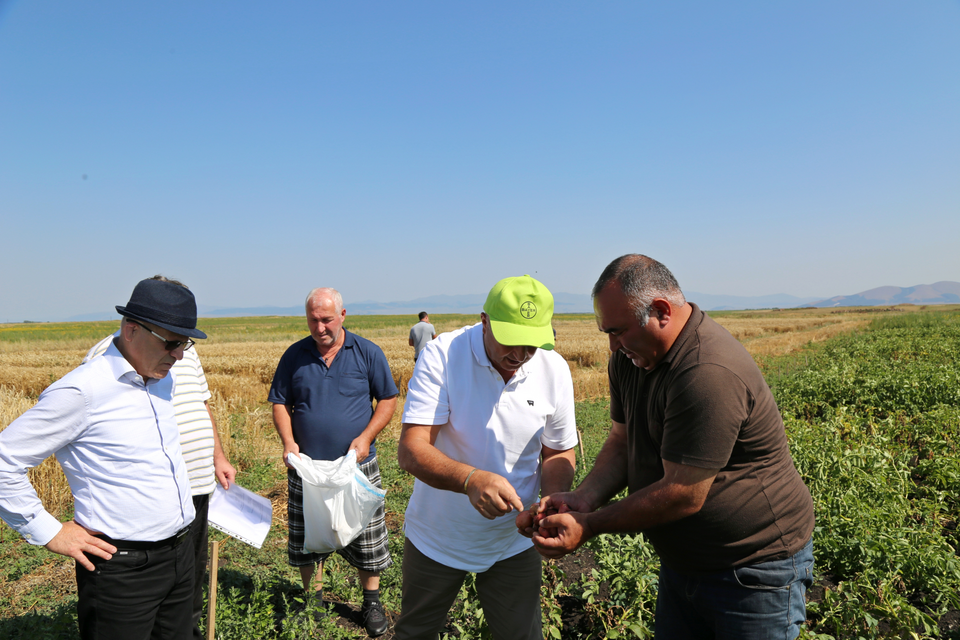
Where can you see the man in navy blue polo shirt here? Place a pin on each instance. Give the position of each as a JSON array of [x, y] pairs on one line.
[[322, 397]]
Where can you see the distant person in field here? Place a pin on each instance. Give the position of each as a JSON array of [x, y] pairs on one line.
[[420, 334], [698, 442], [112, 425], [322, 395], [488, 424], [200, 443]]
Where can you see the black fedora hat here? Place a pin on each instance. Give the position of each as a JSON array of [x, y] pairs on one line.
[[165, 304]]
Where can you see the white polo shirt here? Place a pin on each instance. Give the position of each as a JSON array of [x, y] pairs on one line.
[[489, 425]]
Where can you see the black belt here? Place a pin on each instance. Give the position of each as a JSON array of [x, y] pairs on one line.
[[144, 545]]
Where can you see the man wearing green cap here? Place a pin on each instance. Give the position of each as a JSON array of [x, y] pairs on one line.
[[488, 425]]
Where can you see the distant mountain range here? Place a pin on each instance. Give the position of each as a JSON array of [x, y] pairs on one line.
[[945, 292]]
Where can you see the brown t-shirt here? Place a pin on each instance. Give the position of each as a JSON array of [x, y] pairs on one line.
[[707, 405]]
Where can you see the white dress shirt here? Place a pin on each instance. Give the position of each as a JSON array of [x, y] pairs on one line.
[[189, 403], [116, 438]]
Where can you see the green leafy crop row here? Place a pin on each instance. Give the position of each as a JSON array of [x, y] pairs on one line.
[[874, 426]]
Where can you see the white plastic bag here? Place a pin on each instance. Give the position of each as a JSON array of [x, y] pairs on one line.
[[338, 501]]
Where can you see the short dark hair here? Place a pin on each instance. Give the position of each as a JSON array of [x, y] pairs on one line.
[[641, 279], [422, 315]]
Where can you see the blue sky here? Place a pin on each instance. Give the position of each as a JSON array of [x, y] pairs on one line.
[[401, 150]]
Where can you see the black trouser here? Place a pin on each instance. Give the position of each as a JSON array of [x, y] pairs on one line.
[[139, 594], [198, 542]]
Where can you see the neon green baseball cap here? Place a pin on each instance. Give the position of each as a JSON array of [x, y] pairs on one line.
[[520, 310]]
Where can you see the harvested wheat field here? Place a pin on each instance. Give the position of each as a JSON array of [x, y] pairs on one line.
[[241, 354]]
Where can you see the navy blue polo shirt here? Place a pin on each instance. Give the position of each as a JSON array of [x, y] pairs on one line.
[[331, 406]]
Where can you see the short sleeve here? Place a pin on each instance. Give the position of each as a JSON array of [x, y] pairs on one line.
[[427, 401], [560, 430], [280, 388], [382, 385], [705, 409]]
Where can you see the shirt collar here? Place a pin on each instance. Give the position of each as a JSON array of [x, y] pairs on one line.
[[480, 354], [476, 345], [349, 341], [119, 365]]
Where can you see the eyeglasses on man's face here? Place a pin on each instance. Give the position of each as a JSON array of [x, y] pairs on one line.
[[169, 345]]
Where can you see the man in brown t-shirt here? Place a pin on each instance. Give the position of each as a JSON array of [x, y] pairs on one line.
[[698, 441]]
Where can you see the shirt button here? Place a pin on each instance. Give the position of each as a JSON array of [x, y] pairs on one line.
[[28, 537]]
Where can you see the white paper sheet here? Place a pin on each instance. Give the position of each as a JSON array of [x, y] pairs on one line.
[[241, 513]]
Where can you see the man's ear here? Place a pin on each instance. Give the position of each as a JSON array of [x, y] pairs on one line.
[[127, 330], [662, 310]]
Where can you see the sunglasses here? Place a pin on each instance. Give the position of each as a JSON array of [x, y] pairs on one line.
[[169, 345]]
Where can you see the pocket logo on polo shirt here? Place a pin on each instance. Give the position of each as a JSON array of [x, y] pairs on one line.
[[530, 402]]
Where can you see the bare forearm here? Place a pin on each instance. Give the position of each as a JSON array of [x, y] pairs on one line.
[[428, 464], [653, 506], [489, 493], [557, 472], [381, 417], [609, 474], [283, 423], [680, 493]]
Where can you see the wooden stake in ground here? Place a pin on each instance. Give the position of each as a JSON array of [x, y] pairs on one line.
[[212, 610]]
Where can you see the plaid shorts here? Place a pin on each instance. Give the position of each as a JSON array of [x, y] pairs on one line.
[[369, 551]]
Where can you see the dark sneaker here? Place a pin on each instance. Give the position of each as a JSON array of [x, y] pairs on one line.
[[374, 619], [319, 607]]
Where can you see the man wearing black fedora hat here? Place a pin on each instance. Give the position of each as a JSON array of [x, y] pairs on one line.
[[112, 427], [207, 465]]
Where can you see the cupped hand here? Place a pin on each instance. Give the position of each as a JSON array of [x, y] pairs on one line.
[[527, 520], [362, 446], [564, 502], [561, 533], [293, 448]]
